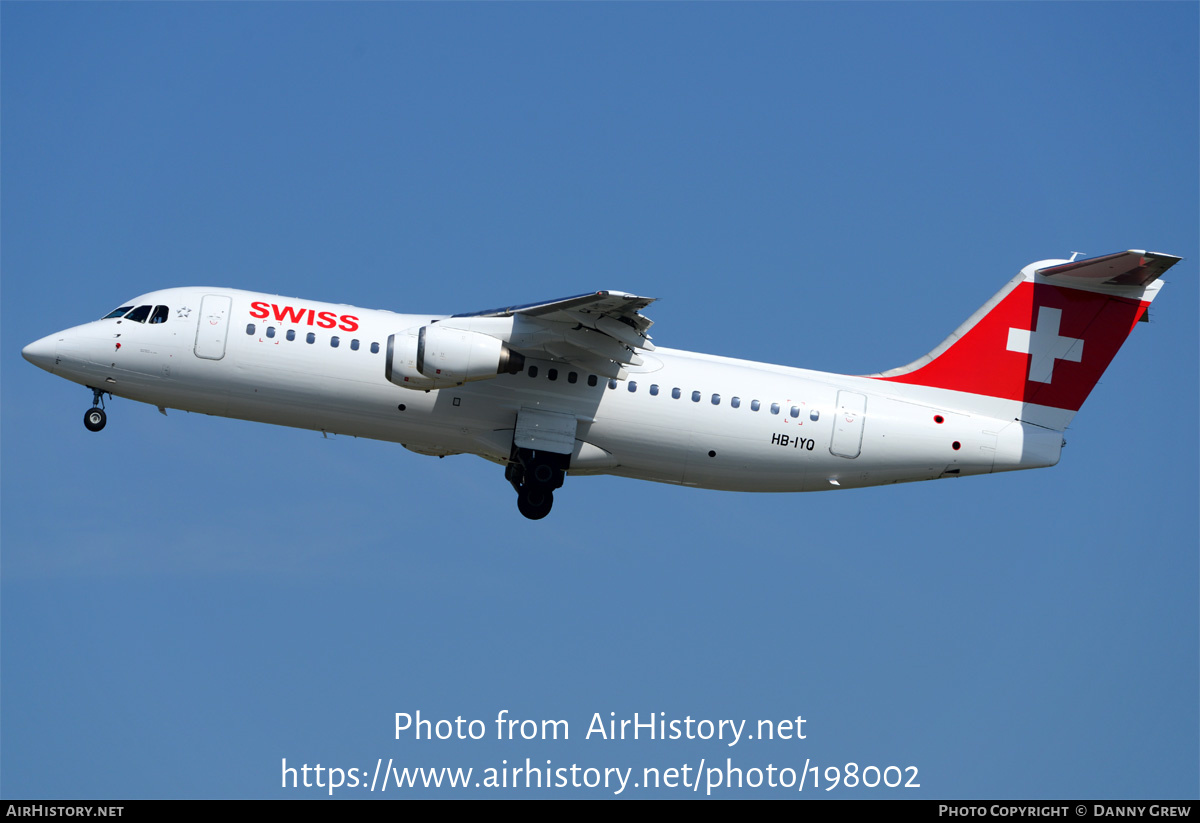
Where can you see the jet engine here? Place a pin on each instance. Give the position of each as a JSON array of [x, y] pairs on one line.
[[437, 357]]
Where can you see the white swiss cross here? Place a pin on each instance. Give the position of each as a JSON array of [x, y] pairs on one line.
[[1044, 345]]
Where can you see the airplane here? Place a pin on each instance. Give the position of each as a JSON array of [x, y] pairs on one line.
[[576, 385]]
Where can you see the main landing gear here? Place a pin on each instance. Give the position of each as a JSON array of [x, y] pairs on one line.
[[535, 475], [95, 418]]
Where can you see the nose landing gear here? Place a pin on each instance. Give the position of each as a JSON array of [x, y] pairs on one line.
[[535, 475], [95, 418]]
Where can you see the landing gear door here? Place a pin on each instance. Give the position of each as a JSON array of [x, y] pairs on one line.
[[848, 424], [545, 431], [213, 326]]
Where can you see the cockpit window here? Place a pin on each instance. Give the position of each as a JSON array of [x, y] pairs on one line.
[[139, 314], [160, 315], [117, 312]]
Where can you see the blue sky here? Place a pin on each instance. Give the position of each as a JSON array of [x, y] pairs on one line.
[[187, 600]]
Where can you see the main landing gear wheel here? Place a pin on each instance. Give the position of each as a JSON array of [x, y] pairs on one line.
[[535, 503], [535, 476], [94, 419]]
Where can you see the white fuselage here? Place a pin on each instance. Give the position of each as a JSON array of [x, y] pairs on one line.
[[679, 417]]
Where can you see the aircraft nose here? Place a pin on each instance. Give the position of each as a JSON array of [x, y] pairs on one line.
[[42, 353]]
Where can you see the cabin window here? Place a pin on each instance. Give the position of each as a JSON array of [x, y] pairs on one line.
[[592, 380], [632, 386], [374, 348], [695, 397], [552, 374], [310, 337], [354, 344], [736, 402], [270, 331], [291, 334], [774, 408], [572, 376], [533, 371], [654, 390], [754, 405], [160, 315], [334, 341], [716, 399], [814, 415], [249, 328], [612, 383], [795, 411], [676, 393]]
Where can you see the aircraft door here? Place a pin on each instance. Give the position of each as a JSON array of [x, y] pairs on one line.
[[212, 326], [848, 424]]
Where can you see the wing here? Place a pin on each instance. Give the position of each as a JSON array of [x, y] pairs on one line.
[[599, 331]]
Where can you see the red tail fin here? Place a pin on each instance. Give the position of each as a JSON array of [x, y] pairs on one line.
[[1048, 336]]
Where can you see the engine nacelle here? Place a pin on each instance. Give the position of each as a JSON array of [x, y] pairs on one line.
[[436, 357]]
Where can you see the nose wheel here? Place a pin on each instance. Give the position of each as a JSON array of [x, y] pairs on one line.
[[95, 418]]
